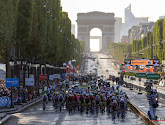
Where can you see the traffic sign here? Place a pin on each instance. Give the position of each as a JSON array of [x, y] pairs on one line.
[[153, 76], [140, 75]]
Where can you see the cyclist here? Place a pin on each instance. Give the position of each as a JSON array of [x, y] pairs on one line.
[[74, 98], [61, 101], [81, 99], [122, 107], [108, 101], [92, 102], [97, 100], [87, 100], [102, 102], [114, 107], [44, 99]]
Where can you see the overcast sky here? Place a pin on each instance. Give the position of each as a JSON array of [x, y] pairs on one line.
[[146, 8]]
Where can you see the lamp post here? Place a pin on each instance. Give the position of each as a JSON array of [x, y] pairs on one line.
[[37, 64], [24, 69], [73, 61], [43, 68], [47, 70], [28, 66], [11, 63], [18, 62]]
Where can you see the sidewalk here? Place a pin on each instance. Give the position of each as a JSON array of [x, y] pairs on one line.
[[141, 101], [5, 113], [160, 89]]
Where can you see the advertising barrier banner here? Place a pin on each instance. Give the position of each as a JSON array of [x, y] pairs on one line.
[[43, 77], [51, 77], [12, 82], [57, 76], [29, 81], [142, 62], [5, 101], [63, 75]]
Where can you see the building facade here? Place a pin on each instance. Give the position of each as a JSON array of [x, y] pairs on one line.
[[118, 28], [138, 32], [131, 20]]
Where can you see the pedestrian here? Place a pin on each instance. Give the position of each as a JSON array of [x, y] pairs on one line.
[[152, 105], [117, 80]]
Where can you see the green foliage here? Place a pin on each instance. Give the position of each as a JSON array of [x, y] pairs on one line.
[[120, 50], [150, 47], [35, 30]]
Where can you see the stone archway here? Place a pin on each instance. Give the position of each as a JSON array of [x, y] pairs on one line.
[[104, 21]]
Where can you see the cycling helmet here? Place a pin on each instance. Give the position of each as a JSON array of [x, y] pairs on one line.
[[114, 101], [154, 90]]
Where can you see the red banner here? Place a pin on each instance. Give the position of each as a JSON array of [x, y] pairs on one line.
[[43, 77]]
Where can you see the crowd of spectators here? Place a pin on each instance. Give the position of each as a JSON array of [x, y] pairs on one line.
[[27, 93], [4, 91]]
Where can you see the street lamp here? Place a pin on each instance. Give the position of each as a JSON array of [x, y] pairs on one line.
[[18, 61], [29, 64], [73, 61], [11, 63], [24, 62], [43, 68], [47, 70], [36, 65]]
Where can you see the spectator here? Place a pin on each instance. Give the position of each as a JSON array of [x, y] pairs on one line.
[[152, 105]]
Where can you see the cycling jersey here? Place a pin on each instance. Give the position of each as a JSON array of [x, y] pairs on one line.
[[97, 101], [45, 98], [81, 99], [114, 106], [122, 104], [87, 100], [70, 99], [61, 99], [75, 98], [108, 101]]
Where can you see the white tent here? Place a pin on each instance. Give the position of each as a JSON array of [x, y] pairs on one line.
[[2, 71]]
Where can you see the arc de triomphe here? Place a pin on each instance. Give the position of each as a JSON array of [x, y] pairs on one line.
[[104, 21]]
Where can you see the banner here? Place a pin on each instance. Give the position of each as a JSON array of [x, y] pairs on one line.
[[43, 77], [142, 62], [63, 75], [29, 81], [31, 76], [57, 76], [5, 101], [12, 82], [51, 77]]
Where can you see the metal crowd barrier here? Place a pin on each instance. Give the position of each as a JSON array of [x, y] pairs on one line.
[[141, 114]]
